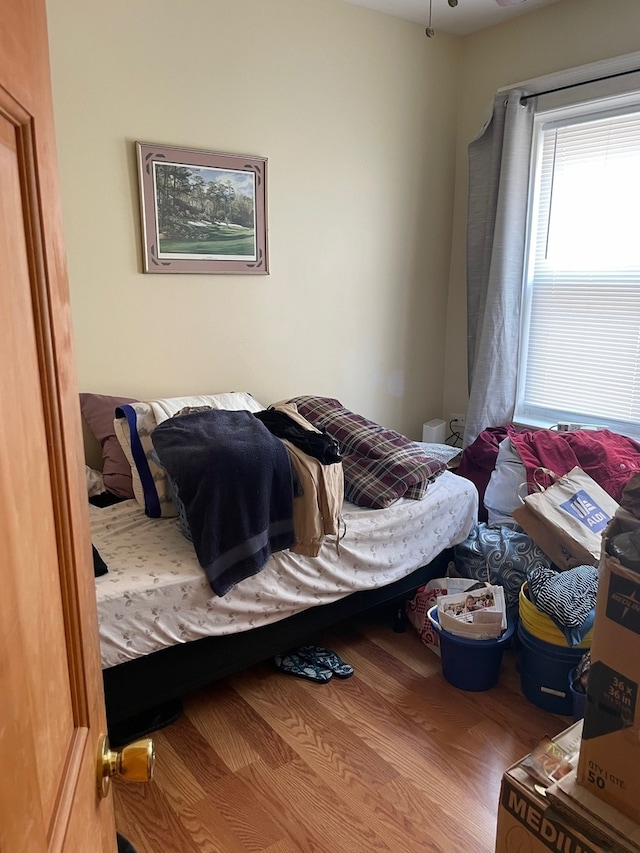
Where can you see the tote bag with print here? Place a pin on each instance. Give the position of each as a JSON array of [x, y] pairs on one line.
[[567, 519]]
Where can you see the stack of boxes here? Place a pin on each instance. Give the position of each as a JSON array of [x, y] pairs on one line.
[[597, 807], [527, 824], [609, 765]]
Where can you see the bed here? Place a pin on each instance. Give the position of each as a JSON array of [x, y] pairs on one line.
[[164, 633]]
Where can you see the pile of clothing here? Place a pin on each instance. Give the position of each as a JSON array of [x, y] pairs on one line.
[[501, 462], [568, 598]]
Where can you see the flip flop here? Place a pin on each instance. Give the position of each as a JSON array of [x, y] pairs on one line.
[[326, 659], [293, 664]]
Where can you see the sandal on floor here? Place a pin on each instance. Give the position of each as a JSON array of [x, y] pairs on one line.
[[326, 659], [293, 664]]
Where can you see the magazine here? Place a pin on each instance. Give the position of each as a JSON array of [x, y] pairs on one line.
[[549, 762], [477, 613]]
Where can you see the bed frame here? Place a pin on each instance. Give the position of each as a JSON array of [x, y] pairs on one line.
[[138, 687]]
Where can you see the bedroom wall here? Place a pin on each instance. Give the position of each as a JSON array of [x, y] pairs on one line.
[[564, 35], [356, 113]]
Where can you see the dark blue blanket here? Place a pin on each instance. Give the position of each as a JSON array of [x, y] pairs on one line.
[[235, 481]]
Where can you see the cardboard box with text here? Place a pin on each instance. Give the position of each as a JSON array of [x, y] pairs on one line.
[[609, 764], [525, 821]]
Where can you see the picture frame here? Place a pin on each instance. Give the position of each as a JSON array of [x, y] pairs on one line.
[[202, 212]]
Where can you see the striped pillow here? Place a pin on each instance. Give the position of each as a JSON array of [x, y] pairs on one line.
[[133, 426]]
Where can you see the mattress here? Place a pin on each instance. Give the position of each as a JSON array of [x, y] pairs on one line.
[[155, 593]]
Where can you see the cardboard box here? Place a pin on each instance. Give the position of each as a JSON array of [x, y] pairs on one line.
[[527, 823], [589, 813], [609, 764]]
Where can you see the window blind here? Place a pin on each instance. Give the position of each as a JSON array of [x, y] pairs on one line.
[[580, 348]]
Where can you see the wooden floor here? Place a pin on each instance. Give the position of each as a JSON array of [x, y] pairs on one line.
[[393, 758]]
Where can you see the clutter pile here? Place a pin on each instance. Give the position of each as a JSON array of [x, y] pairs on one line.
[[529, 514], [591, 801]]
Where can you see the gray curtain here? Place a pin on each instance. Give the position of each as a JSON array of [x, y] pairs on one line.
[[496, 229]]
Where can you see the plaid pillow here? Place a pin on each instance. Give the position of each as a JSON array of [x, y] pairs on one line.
[[380, 465]]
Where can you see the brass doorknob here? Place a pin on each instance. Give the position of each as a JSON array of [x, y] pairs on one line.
[[133, 763]]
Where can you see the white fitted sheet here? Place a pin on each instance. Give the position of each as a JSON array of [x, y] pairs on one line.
[[155, 593]]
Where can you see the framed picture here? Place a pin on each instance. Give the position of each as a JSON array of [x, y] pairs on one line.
[[202, 212]]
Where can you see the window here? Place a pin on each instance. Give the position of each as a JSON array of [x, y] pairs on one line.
[[579, 357]]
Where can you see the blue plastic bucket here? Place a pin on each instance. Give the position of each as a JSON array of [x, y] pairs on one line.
[[544, 672], [470, 664], [578, 698]]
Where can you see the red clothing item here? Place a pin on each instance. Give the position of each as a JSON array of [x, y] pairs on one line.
[[608, 458], [478, 461]]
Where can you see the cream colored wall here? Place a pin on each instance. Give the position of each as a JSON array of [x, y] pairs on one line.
[[356, 113], [564, 35]]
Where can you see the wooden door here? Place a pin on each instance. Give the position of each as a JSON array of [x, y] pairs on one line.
[[51, 704]]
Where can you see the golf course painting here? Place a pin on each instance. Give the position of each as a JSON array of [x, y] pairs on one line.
[[202, 212]]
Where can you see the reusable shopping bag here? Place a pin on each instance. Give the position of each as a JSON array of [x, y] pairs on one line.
[[567, 518]]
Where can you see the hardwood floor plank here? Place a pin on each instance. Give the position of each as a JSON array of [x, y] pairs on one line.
[[451, 754], [146, 819], [233, 799], [297, 698], [498, 746], [285, 845], [231, 726], [234, 824], [331, 747], [315, 814], [437, 766], [397, 684], [177, 783], [400, 646], [196, 753], [469, 830], [208, 710], [272, 792]]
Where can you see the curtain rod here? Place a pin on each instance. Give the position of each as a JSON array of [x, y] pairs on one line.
[[581, 83]]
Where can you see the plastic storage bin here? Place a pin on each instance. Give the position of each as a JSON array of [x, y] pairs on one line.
[[544, 672], [470, 664], [578, 697], [541, 625]]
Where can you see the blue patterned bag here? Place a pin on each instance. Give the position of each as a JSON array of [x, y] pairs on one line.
[[500, 555]]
